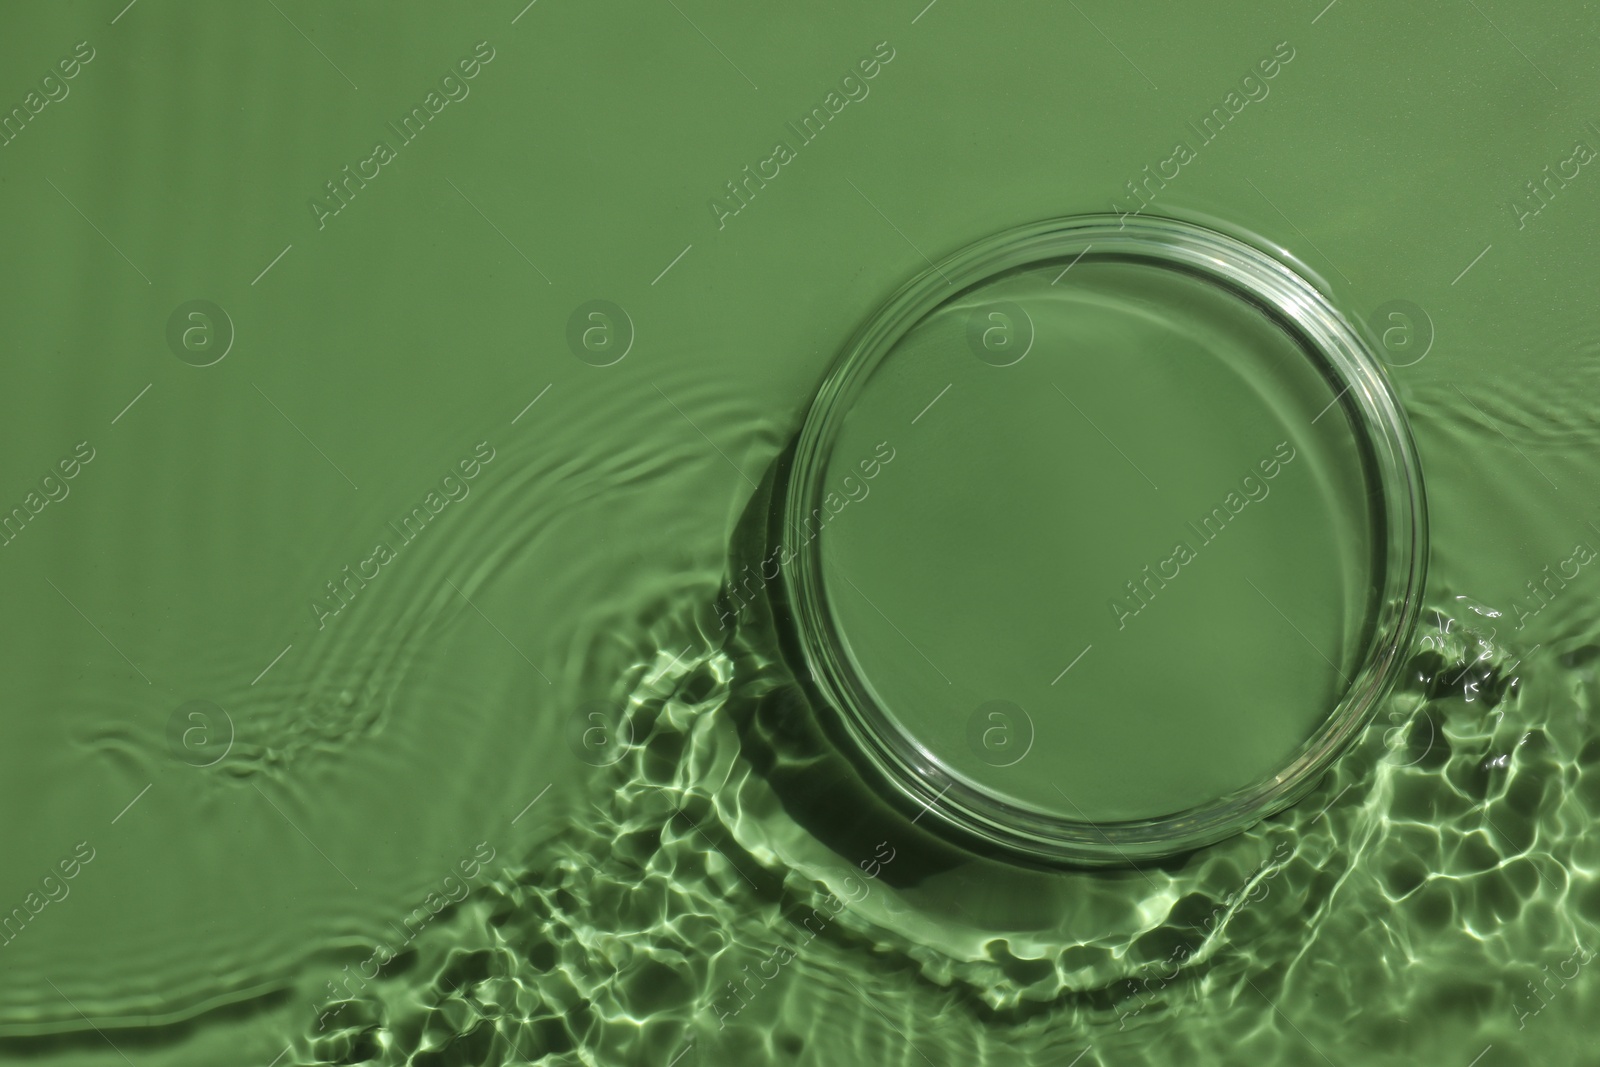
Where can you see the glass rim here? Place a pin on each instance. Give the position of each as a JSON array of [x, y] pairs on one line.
[[1035, 835]]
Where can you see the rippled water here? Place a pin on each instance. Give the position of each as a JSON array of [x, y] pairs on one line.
[[406, 820]]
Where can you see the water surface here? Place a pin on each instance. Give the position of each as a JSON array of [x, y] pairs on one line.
[[317, 889]]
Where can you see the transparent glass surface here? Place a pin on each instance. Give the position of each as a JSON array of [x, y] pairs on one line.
[[398, 404], [1219, 564]]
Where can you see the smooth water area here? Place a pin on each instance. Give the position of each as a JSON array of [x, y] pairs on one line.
[[368, 700]]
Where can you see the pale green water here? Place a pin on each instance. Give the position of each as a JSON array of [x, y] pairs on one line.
[[1398, 915]]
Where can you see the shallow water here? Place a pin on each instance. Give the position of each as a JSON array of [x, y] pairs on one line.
[[446, 723]]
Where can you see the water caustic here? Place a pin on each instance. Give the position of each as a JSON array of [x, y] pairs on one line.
[[1115, 615], [318, 749]]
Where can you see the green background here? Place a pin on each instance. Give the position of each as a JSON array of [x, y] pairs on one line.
[[374, 755]]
